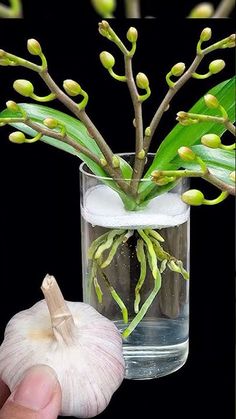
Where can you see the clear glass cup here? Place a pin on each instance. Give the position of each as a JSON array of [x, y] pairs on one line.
[[122, 278]]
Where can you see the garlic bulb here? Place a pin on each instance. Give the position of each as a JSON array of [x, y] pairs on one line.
[[83, 347]]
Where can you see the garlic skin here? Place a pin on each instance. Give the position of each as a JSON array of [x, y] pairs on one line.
[[89, 362]]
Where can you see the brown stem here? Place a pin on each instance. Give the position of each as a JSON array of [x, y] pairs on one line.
[[224, 9], [81, 149], [172, 92], [80, 114], [230, 127], [62, 321], [219, 183], [138, 122], [132, 8]]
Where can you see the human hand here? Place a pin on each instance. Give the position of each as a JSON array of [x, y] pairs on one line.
[[38, 396]]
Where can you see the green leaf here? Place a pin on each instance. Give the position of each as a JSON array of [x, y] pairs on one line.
[[190, 135]]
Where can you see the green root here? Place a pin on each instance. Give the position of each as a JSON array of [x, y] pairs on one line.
[[149, 252]]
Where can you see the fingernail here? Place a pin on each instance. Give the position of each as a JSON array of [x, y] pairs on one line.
[[37, 388]]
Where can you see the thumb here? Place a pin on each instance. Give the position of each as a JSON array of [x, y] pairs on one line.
[[38, 396]]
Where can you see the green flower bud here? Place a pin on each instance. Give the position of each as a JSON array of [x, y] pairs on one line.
[[17, 137], [141, 155], [12, 106], [115, 162], [71, 87], [142, 81], [24, 87], [178, 69], [34, 47], [216, 66], [186, 154], [232, 176], [2, 53], [104, 7], [103, 162], [211, 140], [206, 35], [148, 132], [132, 35], [193, 197], [50, 123], [107, 60], [211, 101], [202, 10]]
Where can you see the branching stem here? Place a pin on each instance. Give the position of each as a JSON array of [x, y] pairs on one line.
[[132, 8], [137, 104]]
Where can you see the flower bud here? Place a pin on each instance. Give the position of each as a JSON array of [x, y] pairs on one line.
[[103, 162], [107, 60], [211, 140], [206, 35], [186, 154], [132, 35], [34, 47], [12, 106], [2, 53], [211, 101], [216, 66], [17, 137], [23, 87], [232, 176], [202, 10], [142, 81], [178, 69], [193, 197], [71, 87], [148, 132], [115, 162], [50, 123], [141, 154], [104, 7]]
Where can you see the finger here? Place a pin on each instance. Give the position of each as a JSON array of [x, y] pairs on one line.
[[4, 393], [38, 396]]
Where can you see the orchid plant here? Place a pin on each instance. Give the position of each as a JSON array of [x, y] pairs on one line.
[[193, 148]]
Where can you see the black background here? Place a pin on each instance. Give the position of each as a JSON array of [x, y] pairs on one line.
[[40, 215], [79, 8]]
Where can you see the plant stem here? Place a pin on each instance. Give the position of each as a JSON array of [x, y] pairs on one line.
[[81, 149], [115, 173], [172, 92], [61, 317], [80, 114], [224, 9], [230, 127], [204, 175], [219, 183], [132, 8], [138, 122], [210, 118]]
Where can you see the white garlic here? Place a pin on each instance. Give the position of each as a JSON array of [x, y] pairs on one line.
[[83, 347]]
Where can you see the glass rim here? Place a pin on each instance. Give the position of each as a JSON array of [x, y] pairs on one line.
[[83, 166]]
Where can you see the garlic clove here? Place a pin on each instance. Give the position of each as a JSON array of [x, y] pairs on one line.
[[82, 346]]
